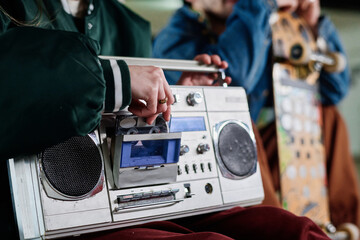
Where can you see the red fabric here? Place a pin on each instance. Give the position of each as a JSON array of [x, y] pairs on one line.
[[261, 222], [343, 187]]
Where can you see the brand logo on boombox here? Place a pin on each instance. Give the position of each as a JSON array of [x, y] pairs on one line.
[[128, 172]]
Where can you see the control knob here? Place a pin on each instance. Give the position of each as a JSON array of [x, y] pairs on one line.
[[194, 98], [184, 149], [202, 148]]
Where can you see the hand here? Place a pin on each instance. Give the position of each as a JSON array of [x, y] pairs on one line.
[[309, 10], [288, 5], [148, 84], [203, 79]]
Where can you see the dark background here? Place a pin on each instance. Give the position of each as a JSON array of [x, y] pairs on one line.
[[343, 4]]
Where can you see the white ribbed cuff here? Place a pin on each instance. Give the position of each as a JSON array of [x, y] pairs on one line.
[[118, 85]]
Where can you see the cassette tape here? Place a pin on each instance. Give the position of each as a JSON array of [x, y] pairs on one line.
[[144, 154], [129, 124]]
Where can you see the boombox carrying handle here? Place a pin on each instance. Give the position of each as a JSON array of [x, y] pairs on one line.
[[173, 65]]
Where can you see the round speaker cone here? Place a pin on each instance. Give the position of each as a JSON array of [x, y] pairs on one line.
[[237, 150], [73, 167]]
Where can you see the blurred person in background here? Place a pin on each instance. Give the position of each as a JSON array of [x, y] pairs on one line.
[[239, 32]]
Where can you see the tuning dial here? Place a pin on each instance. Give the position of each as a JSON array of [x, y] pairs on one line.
[[194, 98], [202, 148], [184, 149]]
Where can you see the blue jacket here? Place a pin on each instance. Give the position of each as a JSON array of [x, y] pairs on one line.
[[246, 46]]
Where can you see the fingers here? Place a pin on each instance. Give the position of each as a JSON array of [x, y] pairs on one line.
[[288, 5], [165, 93], [309, 10], [224, 65], [227, 80], [138, 108], [151, 103], [204, 79], [150, 120], [305, 4], [168, 92], [161, 97], [216, 60], [203, 58], [167, 113], [170, 101], [151, 93], [213, 59]]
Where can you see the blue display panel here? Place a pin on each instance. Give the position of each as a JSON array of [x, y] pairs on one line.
[[187, 124], [150, 152]]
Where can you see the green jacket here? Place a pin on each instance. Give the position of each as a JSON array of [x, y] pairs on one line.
[[52, 84]]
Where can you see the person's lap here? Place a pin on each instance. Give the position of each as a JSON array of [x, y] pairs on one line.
[[259, 222]]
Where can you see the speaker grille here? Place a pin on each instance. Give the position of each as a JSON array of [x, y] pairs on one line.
[[237, 150], [73, 167]]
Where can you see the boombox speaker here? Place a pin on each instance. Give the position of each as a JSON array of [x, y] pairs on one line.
[[73, 169], [235, 149], [63, 187]]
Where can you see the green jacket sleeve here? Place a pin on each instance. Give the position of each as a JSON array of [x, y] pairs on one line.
[[52, 87]]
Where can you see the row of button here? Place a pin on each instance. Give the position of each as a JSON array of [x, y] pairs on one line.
[[195, 168], [145, 195]]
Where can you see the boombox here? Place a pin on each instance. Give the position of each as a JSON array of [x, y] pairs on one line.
[[128, 172]]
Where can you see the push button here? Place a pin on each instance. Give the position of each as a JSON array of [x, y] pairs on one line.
[[194, 167]]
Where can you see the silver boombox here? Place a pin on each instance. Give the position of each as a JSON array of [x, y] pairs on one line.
[[128, 172]]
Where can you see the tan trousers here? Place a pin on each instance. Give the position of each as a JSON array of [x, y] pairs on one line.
[[344, 196]]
